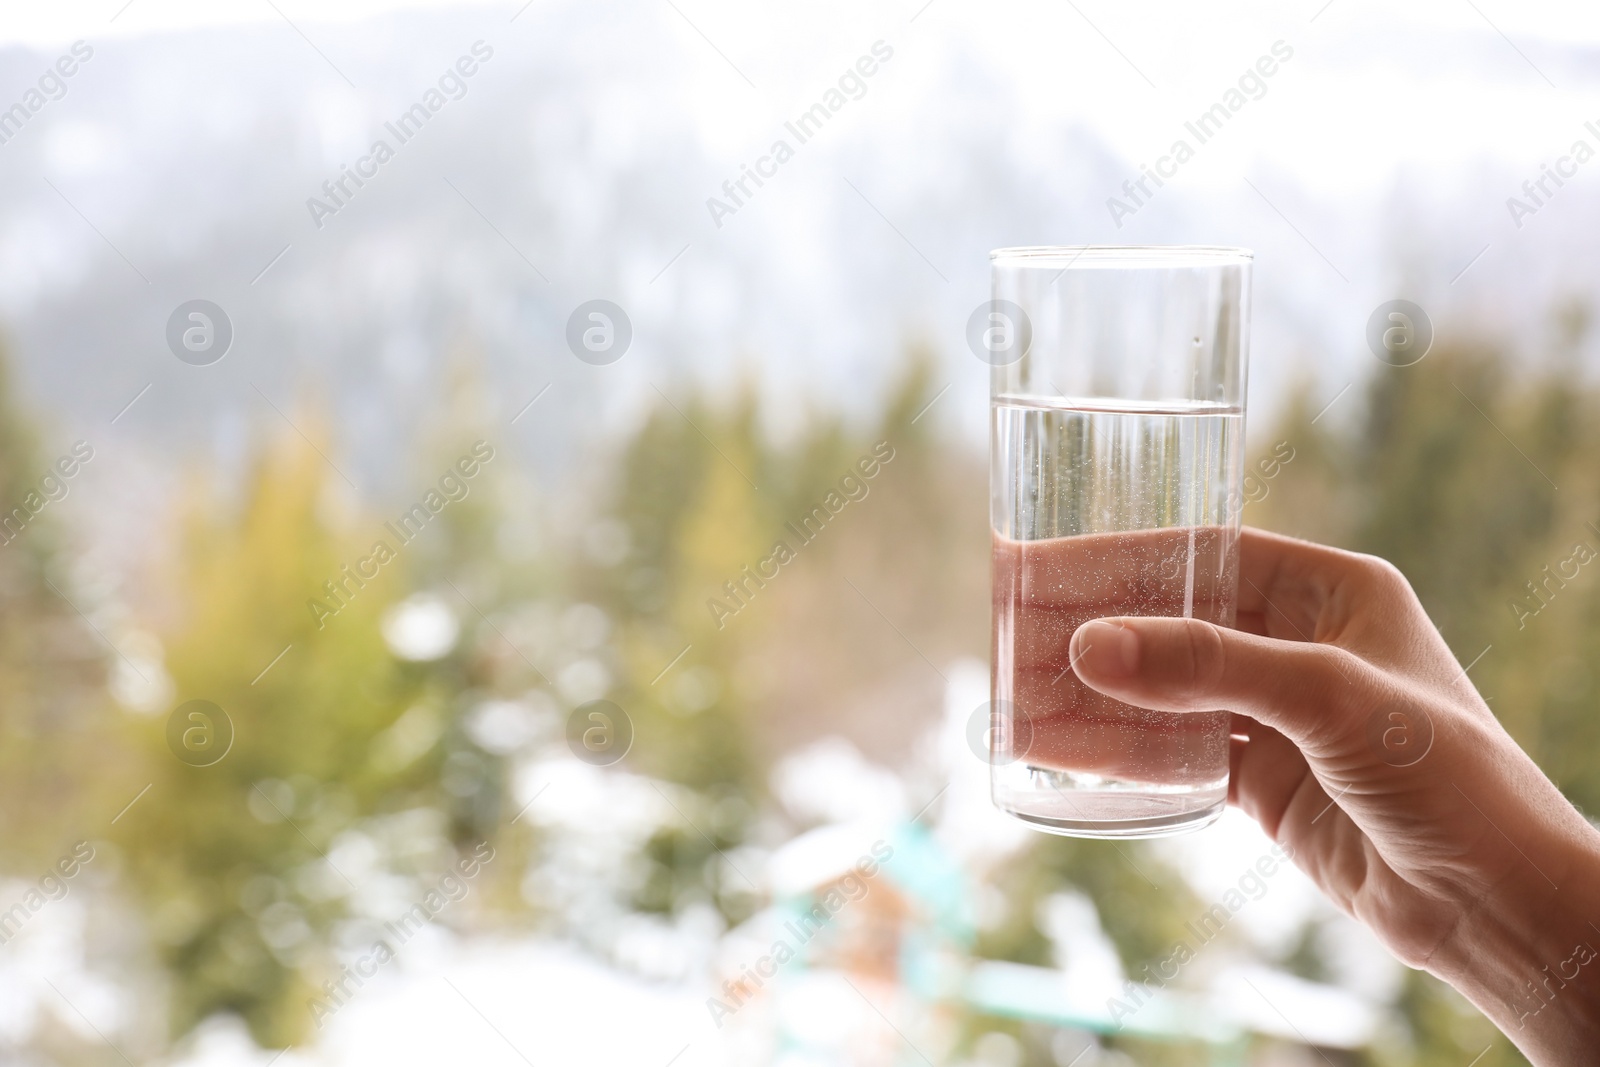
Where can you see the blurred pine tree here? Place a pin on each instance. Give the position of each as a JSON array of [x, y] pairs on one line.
[[52, 672], [237, 864], [687, 493]]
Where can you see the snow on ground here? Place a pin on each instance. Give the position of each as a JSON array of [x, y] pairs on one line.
[[493, 1002]]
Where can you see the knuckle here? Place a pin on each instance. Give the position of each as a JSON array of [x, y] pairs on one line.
[[1338, 664], [1346, 686], [1382, 575]]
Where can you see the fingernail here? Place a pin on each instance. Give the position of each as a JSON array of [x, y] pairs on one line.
[[1108, 650]]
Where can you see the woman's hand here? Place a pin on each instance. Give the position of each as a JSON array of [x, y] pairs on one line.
[[1361, 744]]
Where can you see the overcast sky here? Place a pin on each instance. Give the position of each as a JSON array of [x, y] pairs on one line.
[[1450, 81]]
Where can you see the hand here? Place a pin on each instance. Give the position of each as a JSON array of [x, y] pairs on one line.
[[1362, 746]]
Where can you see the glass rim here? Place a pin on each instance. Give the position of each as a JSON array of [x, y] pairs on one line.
[[1122, 255]]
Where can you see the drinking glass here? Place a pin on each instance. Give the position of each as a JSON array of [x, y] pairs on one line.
[[1117, 430]]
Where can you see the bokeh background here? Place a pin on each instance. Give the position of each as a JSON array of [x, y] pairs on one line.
[[392, 834]]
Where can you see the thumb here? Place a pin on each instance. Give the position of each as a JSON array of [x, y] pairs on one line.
[[1309, 692]]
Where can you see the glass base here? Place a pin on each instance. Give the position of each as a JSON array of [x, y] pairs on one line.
[[1134, 826], [1075, 804]]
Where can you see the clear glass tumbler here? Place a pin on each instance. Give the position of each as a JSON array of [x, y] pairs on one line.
[[1117, 432]]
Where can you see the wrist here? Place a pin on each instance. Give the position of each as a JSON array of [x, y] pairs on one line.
[[1527, 950]]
